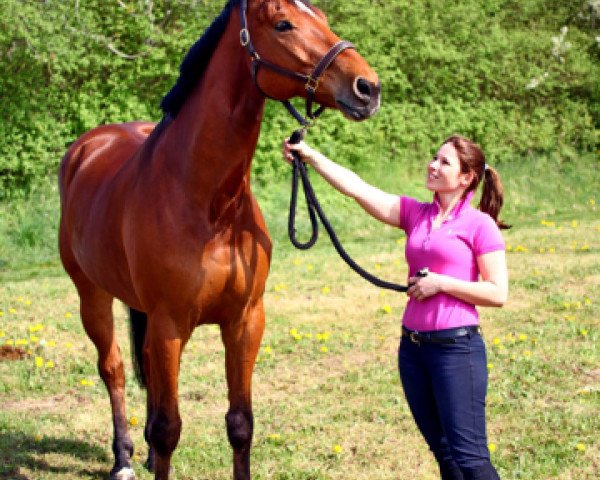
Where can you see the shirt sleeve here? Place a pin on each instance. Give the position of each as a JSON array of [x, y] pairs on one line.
[[408, 212], [488, 237]]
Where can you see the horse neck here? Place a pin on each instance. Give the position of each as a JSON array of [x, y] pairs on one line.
[[214, 136]]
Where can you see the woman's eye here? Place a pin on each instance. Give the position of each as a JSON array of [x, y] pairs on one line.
[[283, 26]]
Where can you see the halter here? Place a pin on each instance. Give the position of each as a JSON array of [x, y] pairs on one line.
[[311, 81]]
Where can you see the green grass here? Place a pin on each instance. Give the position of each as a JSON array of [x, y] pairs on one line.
[[544, 391]]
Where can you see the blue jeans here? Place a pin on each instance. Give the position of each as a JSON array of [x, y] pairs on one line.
[[445, 386]]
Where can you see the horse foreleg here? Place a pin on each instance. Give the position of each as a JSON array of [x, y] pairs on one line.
[[162, 353], [242, 340], [96, 314]]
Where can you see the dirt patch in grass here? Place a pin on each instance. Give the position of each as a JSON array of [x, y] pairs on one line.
[[47, 404], [8, 352]]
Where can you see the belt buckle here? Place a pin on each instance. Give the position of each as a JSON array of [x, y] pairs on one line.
[[413, 338]]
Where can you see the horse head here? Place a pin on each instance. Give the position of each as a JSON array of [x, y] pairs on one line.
[[290, 38]]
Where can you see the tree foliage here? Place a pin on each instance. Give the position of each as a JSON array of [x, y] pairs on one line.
[[517, 76]]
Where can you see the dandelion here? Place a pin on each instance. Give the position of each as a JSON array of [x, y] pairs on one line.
[[12, 310], [21, 342], [585, 391], [386, 309], [324, 349], [552, 250], [323, 337], [133, 421], [585, 247], [490, 366], [68, 345], [296, 261], [39, 362], [280, 287], [86, 383], [492, 447], [2, 334], [337, 449], [325, 290], [574, 223], [34, 339], [527, 353], [580, 447], [591, 201], [522, 337], [27, 302], [268, 350], [273, 436], [310, 267], [566, 305], [587, 301], [520, 249], [583, 332], [509, 248], [36, 328], [51, 343], [68, 315], [49, 364], [496, 341], [378, 266], [9, 342]]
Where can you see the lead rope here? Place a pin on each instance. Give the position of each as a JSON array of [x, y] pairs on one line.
[[312, 204]]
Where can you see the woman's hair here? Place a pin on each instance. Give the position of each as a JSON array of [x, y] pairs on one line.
[[472, 159]]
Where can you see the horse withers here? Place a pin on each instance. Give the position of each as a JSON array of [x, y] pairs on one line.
[[162, 217]]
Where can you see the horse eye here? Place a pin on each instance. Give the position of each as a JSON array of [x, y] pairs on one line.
[[283, 26]]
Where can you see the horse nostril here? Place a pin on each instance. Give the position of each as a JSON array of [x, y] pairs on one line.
[[363, 88]]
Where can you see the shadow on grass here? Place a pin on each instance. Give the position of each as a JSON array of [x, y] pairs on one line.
[[19, 450]]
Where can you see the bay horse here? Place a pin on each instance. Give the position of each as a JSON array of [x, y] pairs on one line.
[[162, 217]]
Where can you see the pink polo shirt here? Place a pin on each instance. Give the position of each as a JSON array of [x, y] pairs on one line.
[[452, 249]]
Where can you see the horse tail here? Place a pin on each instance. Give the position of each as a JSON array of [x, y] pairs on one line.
[[138, 323]]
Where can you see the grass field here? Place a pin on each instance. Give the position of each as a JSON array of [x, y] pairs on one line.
[[327, 399]]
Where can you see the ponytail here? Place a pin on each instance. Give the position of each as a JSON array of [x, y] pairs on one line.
[[492, 196]]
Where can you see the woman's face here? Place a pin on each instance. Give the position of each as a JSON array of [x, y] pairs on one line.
[[443, 171]]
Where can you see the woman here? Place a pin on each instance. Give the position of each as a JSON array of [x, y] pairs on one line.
[[442, 357]]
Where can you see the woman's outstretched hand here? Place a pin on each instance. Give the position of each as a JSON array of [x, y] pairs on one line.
[[306, 153]]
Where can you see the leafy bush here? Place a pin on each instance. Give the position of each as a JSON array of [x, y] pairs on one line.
[[518, 77]]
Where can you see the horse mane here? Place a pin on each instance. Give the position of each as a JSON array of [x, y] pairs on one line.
[[195, 62]]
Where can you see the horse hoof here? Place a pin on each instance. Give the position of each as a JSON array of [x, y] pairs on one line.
[[124, 474]]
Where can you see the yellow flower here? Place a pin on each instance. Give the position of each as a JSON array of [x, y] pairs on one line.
[[9, 342], [133, 421], [310, 267], [585, 247], [490, 366], [552, 250], [583, 332], [325, 290], [38, 438], [520, 248], [580, 447], [68, 345], [68, 315], [296, 261], [21, 341], [587, 301], [496, 341], [378, 266], [86, 383], [2, 334], [273, 436], [49, 364], [27, 302], [12, 310], [337, 449], [386, 309], [268, 350], [39, 362], [280, 287], [527, 353], [51, 343], [492, 447], [522, 337], [574, 223], [1, 313], [324, 349], [34, 339]]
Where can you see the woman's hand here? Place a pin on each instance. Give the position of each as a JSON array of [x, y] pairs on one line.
[[422, 288], [306, 153]]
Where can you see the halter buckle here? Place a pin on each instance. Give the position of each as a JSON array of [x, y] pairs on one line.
[[244, 37], [311, 84]]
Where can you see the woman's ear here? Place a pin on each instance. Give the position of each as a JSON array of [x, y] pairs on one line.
[[467, 178]]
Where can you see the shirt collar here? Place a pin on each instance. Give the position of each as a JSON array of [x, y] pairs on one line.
[[462, 204]]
